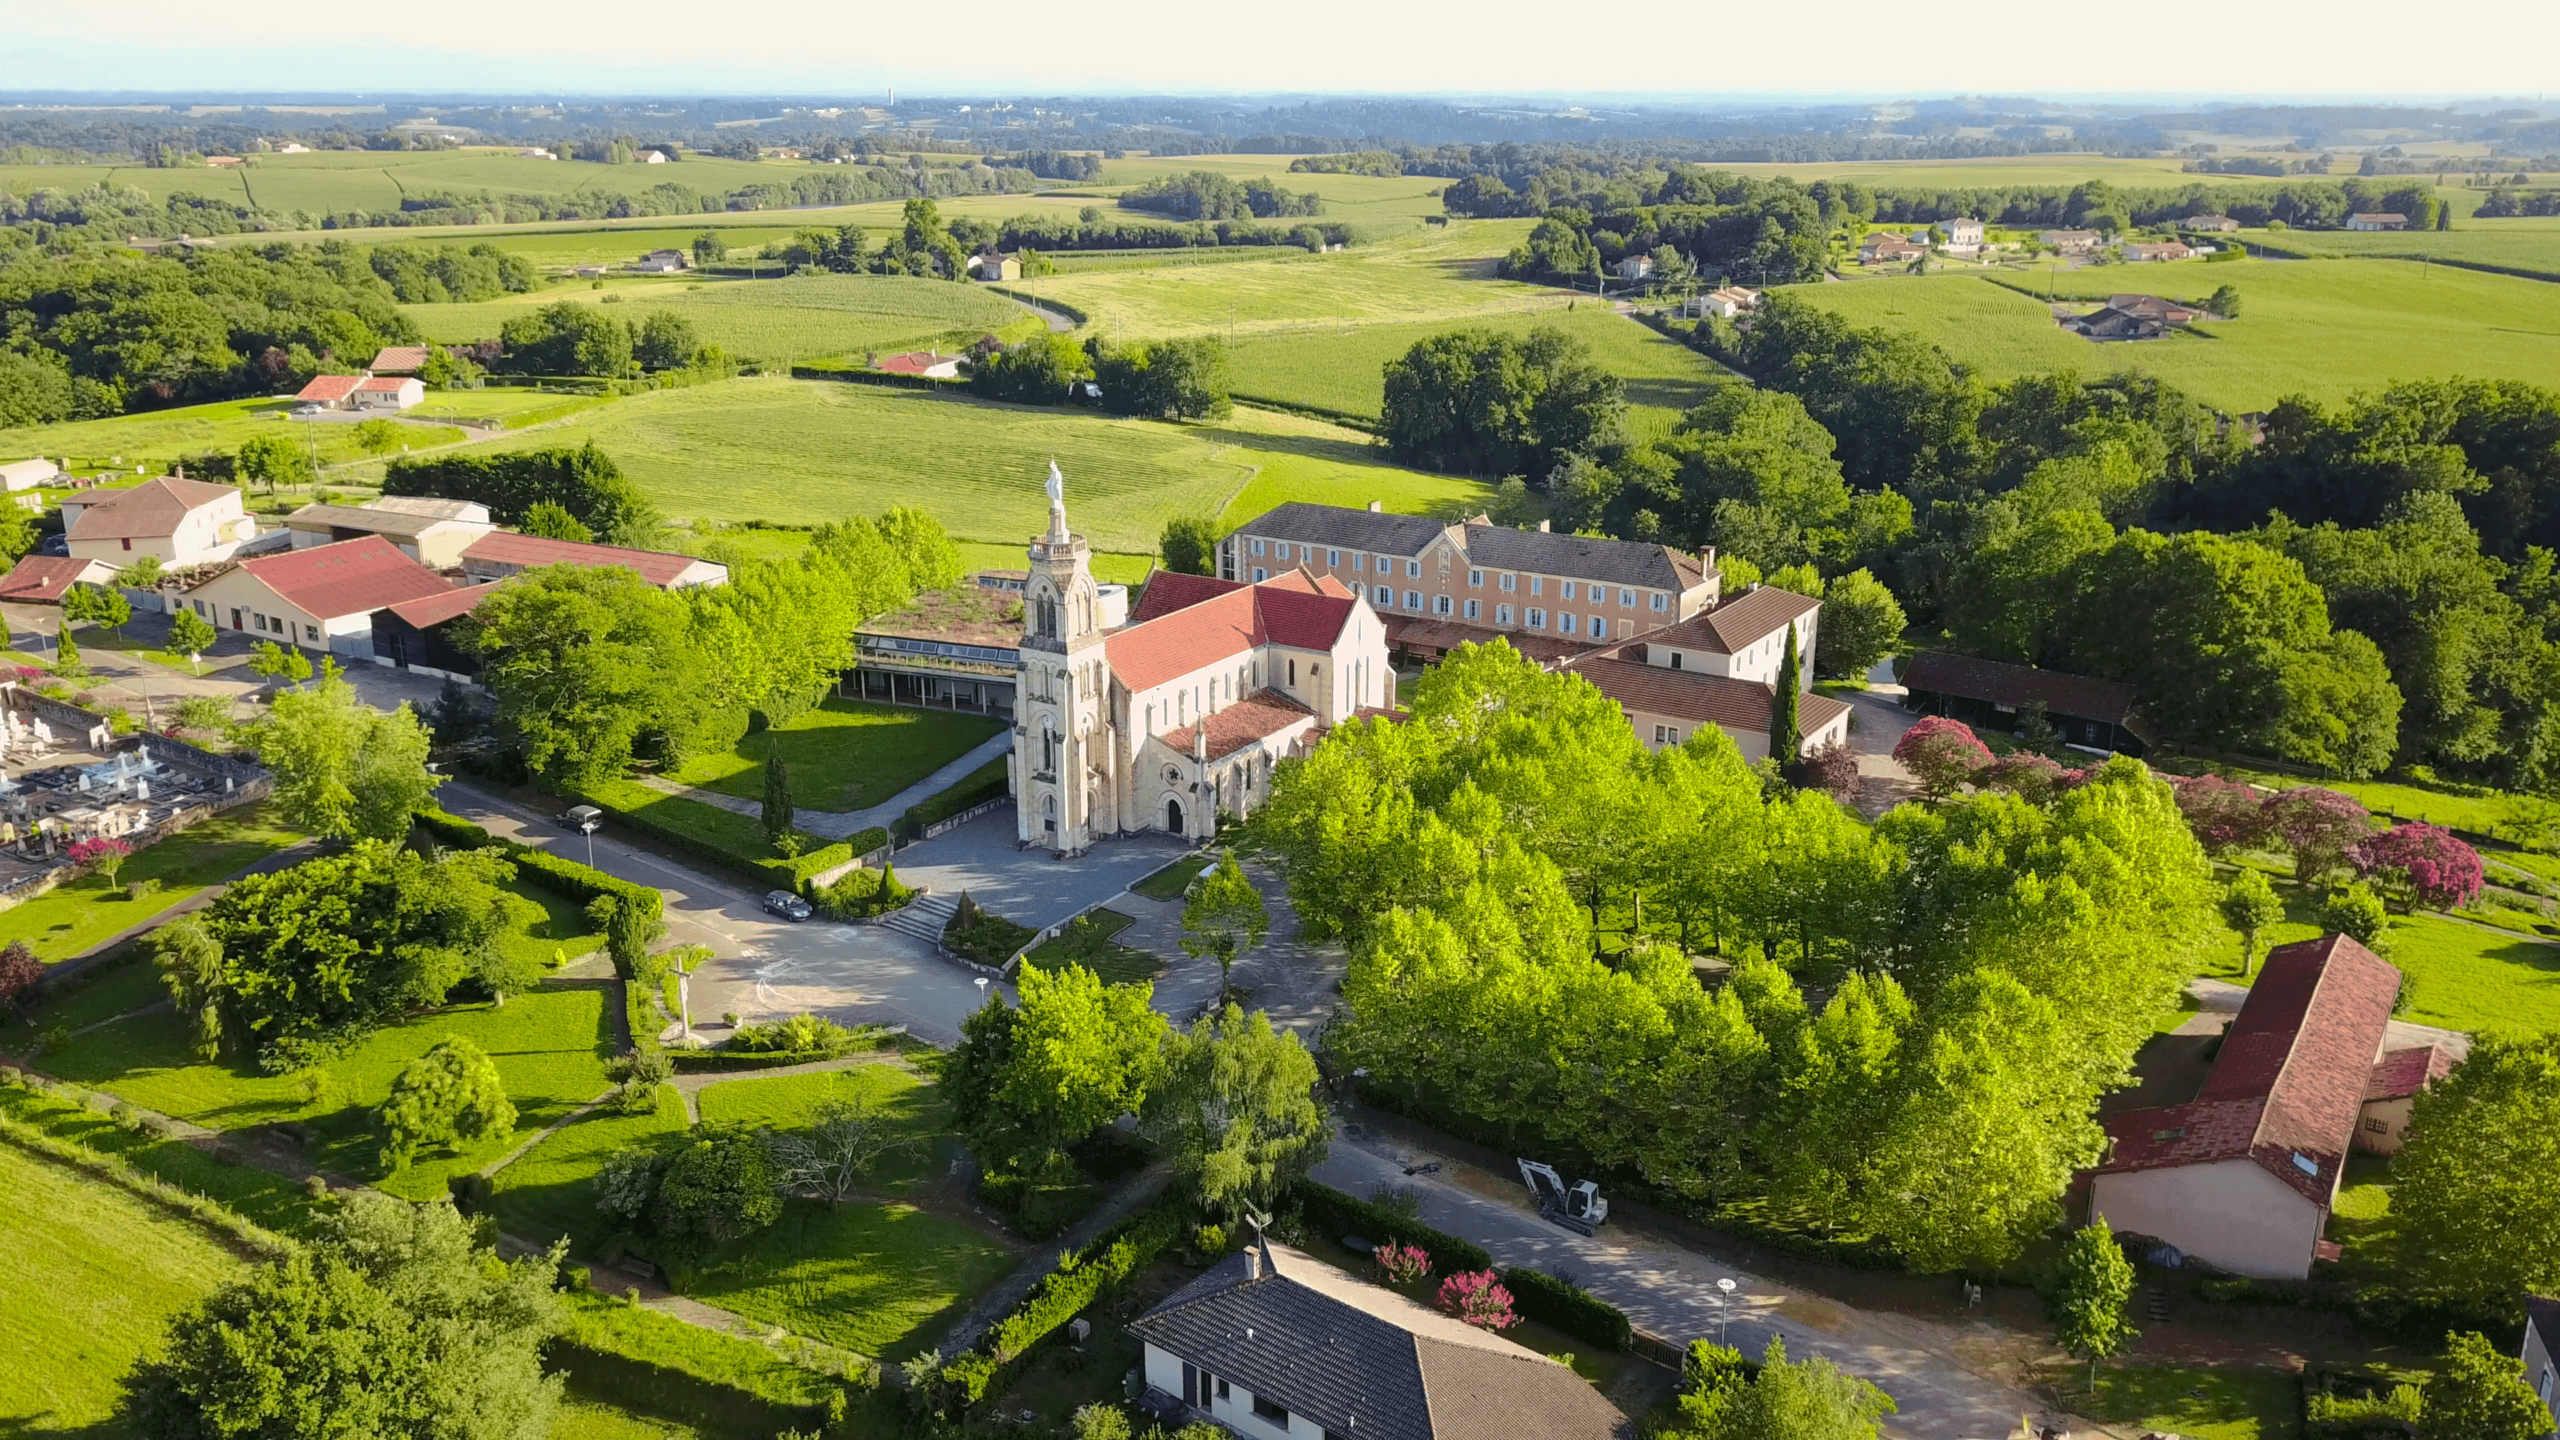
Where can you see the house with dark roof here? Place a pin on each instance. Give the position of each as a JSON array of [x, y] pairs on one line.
[[45, 579], [1127, 727], [322, 598], [501, 553], [183, 521], [2090, 713], [2243, 1175], [425, 635], [2109, 323], [2542, 1352], [1272, 1342], [1438, 585], [2378, 220], [1720, 667]]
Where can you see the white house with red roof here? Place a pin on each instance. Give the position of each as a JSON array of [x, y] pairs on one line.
[[389, 392], [45, 579], [331, 392], [2243, 1175], [925, 363], [184, 522], [322, 598], [1165, 722]]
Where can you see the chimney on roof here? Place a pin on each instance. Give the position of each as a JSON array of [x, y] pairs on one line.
[[1376, 506]]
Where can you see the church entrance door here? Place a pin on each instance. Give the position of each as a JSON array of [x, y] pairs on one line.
[[1173, 816]]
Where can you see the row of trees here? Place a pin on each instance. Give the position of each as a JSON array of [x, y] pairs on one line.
[[1161, 379], [585, 483], [567, 338], [1991, 966], [1208, 195]]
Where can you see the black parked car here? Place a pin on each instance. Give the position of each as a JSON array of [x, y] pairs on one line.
[[786, 905]]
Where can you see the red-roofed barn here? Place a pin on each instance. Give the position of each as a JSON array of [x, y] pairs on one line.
[[2243, 1175], [321, 598]]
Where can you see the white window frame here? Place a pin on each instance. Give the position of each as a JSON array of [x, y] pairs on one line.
[[1280, 551], [1382, 596], [1258, 546], [1359, 561], [1510, 582], [1441, 605], [1567, 623], [1475, 579], [1568, 590], [1537, 584], [1413, 568], [1501, 614], [1626, 598], [1260, 574], [1661, 601], [1333, 559], [1599, 627]]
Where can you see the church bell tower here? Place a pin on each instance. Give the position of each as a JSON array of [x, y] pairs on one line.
[[1062, 757]]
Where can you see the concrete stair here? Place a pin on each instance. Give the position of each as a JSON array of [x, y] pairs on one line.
[[923, 917]]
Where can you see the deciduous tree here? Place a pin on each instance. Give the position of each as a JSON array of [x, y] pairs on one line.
[[2088, 1297], [2481, 1394], [1224, 917], [191, 635], [274, 460], [843, 1143], [1941, 754], [343, 769], [2480, 1142], [449, 1096], [1236, 1110], [2249, 907]]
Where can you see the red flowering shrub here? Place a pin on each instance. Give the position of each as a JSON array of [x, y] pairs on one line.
[[20, 973], [2429, 865], [2224, 814], [104, 854], [2319, 826], [2029, 776], [1402, 1264], [1941, 754], [1479, 1299]]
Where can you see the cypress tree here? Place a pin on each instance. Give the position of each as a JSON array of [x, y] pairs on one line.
[[777, 789], [66, 656], [1786, 727]]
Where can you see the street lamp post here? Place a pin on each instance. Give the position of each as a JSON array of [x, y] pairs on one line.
[[588, 829], [1724, 1301]]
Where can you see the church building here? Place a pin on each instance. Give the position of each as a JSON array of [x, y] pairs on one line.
[[1178, 714]]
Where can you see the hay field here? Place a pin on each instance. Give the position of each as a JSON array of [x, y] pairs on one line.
[[810, 450], [1341, 369], [2524, 244], [1427, 275], [802, 317], [2323, 328]]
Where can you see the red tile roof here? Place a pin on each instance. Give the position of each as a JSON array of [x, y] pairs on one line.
[[2404, 1073], [1431, 638], [1257, 716], [329, 389], [44, 579], [531, 551], [352, 577], [394, 359], [437, 609], [152, 510], [386, 384], [1698, 697], [915, 362], [2292, 1075], [1293, 610], [1740, 621], [1170, 590]]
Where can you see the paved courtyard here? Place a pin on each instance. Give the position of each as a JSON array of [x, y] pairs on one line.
[[1030, 887]]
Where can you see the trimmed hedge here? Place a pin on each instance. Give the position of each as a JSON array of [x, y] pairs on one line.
[[987, 782], [556, 873], [760, 1060], [1576, 1312], [1062, 1294], [1337, 1215]]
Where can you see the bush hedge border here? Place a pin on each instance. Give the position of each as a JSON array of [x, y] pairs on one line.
[[556, 873], [1335, 1215], [1082, 1277]]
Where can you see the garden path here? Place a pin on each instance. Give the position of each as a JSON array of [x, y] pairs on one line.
[[837, 824], [1295, 979], [1141, 1191]]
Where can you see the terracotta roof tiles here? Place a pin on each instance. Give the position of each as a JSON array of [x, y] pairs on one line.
[[1295, 611], [349, 578], [1257, 716]]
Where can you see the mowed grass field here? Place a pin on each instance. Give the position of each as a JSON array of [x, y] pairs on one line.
[[811, 450], [2528, 244], [2323, 328], [802, 317], [843, 755], [1342, 369], [1426, 275], [157, 439], [94, 1275]]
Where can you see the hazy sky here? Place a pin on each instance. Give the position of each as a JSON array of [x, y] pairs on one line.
[[859, 47]]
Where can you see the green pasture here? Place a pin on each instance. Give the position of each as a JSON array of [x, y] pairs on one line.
[[1342, 369], [811, 450], [94, 1276], [878, 1279], [266, 1197], [2323, 328], [1297, 458], [1109, 567], [549, 1045], [588, 1420], [844, 755], [566, 242], [157, 439], [2524, 244], [508, 408], [802, 317], [914, 1109], [70, 918], [2486, 812], [1426, 275]]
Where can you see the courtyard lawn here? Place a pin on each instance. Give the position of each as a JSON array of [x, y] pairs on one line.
[[2464, 977], [878, 1279], [550, 1190], [2199, 1403], [94, 1275], [550, 1047], [70, 918], [845, 754], [914, 1108], [547, 925], [1091, 942], [739, 837]]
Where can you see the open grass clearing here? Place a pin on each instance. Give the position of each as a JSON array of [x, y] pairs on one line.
[[1170, 882], [550, 1047], [913, 1108], [1091, 941], [2197, 1402], [801, 451], [877, 1279], [845, 754], [803, 317], [550, 1191], [94, 1276], [159, 439], [588, 1420], [2521, 244], [1425, 275], [2324, 328], [70, 918], [2482, 813], [273, 1200]]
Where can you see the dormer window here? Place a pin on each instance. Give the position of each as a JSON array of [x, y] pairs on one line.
[[1675, 660]]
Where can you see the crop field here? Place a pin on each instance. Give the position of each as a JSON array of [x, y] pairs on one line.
[[803, 317], [2323, 328], [810, 450], [671, 231], [1341, 370], [157, 439], [2528, 245], [1427, 275], [94, 1275]]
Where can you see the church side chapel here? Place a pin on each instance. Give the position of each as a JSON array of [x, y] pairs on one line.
[[1162, 718]]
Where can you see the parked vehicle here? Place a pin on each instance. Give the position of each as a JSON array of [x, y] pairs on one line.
[[583, 818], [787, 905]]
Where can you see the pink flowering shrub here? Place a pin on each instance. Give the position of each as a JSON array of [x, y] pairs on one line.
[[2319, 826], [1402, 1264], [2225, 815], [1479, 1299], [2029, 776], [2425, 862], [1941, 754], [104, 854], [29, 674]]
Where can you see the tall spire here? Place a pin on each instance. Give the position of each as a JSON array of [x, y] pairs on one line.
[[1057, 503]]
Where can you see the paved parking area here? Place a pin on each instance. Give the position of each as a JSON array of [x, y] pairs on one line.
[[1030, 887]]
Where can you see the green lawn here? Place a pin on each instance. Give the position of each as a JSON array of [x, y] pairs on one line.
[[547, 925], [1170, 882], [94, 1275], [2324, 328], [845, 754], [2523, 244], [157, 439], [1090, 942], [914, 1107], [587, 1420], [549, 1045], [741, 836], [70, 918], [2466, 978], [264, 1196], [2486, 813], [878, 1279], [2199, 1403], [550, 1190], [803, 317], [812, 450]]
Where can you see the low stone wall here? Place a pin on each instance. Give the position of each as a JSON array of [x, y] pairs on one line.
[[61, 720], [249, 784]]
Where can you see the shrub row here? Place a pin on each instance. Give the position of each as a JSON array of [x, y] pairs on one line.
[[976, 788], [861, 893], [1336, 1215], [1083, 1276], [556, 873], [713, 1060], [1575, 1311]]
